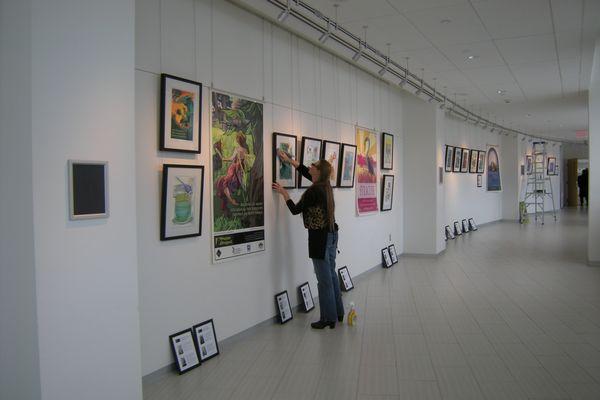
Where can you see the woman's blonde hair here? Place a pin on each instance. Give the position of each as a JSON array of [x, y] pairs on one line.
[[325, 172]]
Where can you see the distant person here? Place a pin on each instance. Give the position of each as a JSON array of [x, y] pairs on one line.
[[582, 182]]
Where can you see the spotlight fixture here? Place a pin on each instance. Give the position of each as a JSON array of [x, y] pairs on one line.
[[434, 91], [405, 78], [357, 55], [383, 70], [420, 89], [284, 13]]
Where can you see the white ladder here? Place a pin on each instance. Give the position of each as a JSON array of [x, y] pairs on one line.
[[539, 184]]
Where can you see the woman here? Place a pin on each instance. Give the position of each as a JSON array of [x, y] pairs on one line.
[[318, 213], [230, 182]]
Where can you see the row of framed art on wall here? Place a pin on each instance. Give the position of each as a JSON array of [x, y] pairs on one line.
[[459, 159]]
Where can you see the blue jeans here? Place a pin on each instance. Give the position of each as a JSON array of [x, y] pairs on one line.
[[330, 297]]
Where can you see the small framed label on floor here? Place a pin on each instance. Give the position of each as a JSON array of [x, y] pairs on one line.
[[346, 283], [283, 306]]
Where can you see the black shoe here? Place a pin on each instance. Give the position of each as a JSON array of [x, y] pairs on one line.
[[341, 318], [322, 325]]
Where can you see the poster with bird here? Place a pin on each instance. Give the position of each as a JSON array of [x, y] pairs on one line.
[[366, 172]]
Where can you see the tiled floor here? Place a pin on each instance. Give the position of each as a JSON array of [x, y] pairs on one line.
[[508, 312]]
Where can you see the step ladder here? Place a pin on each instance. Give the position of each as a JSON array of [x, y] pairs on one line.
[[539, 185]]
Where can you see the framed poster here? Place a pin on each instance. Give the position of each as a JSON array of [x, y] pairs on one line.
[[448, 232], [551, 169], [366, 176], [479, 180], [181, 205], [387, 192], [465, 226], [481, 162], [345, 279], [473, 158], [348, 166], [386, 258], [88, 189], [457, 230], [237, 178], [284, 173], [449, 154], [306, 296], [472, 224], [493, 170], [465, 161], [393, 254], [528, 164], [331, 153], [457, 159], [310, 153], [184, 350], [283, 306], [387, 151], [206, 339], [180, 111]]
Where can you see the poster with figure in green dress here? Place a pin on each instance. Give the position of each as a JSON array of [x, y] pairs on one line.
[[237, 176]]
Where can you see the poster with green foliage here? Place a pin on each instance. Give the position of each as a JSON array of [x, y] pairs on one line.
[[237, 177]]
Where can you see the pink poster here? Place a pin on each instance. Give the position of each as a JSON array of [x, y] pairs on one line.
[[366, 172]]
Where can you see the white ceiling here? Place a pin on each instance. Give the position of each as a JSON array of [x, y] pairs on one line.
[[538, 51]]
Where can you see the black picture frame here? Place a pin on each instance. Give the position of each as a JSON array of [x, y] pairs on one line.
[[186, 358], [293, 181], [457, 230], [457, 159], [448, 233], [465, 226], [473, 158], [528, 164], [284, 308], [393, 254], [346, 283], [472, 225], [386, 259], [334, 164], [465, 161], [481, 162], [316, 144], [88, 189], [347, 149], [305, 294], [551, 172], [449, 158], [172, 82], [385, 181], [387, 160], [479, 180], [204, 338], [178, 227]]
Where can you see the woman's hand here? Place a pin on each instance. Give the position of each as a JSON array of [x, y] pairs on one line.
[[279, 189], [286, 159]]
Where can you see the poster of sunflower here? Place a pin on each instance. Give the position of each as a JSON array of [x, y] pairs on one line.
[[237, 177], [366, 172]]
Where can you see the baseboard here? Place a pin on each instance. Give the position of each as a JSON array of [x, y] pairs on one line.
[[422, 255], [593, 263]]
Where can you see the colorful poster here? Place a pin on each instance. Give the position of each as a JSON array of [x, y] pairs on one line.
[[237, 176], [366, 172], [493, 171]]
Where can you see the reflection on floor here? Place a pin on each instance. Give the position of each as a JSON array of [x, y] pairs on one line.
[[508, 312]]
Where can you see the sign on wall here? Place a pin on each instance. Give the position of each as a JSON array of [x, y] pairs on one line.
[[366, 171]]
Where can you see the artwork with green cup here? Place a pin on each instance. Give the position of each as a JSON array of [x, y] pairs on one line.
[[181, 208]]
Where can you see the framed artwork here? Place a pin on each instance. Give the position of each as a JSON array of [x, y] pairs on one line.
[[457, 159], [440, 175], [180, 110], [88, 189], [465, 161], [348, 166], [366, 172], [311, 153], [551, 169], [449, 154], [345, 279], [387, 192], [522, 169], [181, 205], [284, 173], [479, 180], [306, 296], [493, 171], [472, 224], [481, 162], [387, 151], [528, 164], [184, 350], [457, 230], [331, 153], [283, 306], [465, 226], [386, 258], [473, 158], [393, 254], [206, 339], [448, 232]]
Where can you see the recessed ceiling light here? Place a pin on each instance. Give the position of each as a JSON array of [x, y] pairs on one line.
[[501, 91], [507, 101], [445, 21], [471, 57]]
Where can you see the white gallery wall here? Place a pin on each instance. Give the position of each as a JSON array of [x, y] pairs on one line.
[[306, 92], [594, 162]]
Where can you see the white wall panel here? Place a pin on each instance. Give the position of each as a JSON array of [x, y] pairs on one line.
[[365, 99], [328, 95], [307, 77], [178, 38], [346, 91], [147, 35], [203, 33], [282, 67]]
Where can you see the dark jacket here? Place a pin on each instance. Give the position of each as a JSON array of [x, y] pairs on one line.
[[313, 206]]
